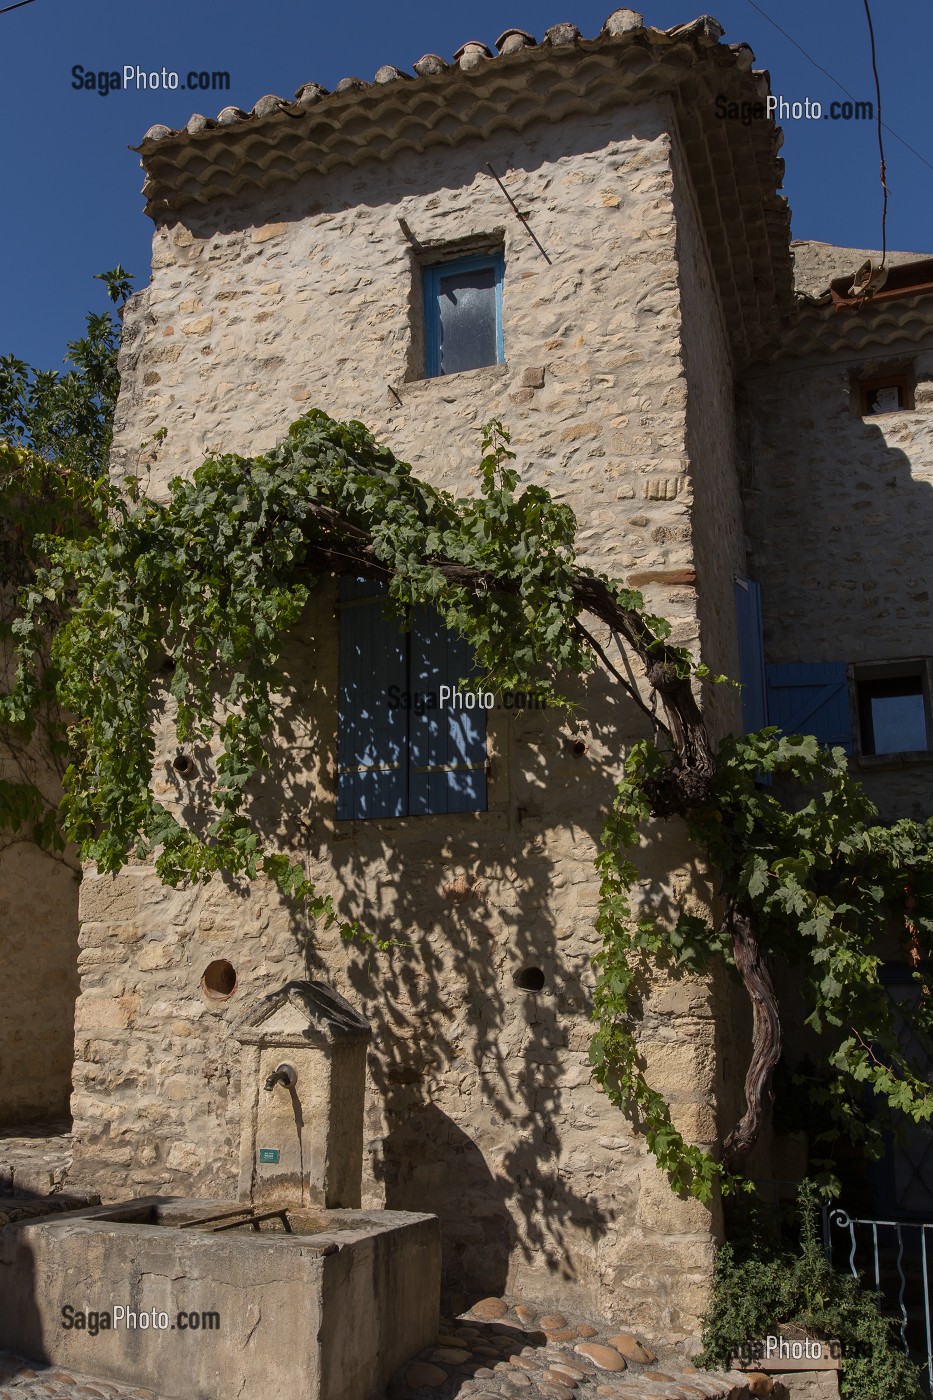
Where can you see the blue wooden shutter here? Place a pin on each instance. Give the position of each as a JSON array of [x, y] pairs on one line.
[[447, 753], [373, 732], [812, 698], [751, 655]]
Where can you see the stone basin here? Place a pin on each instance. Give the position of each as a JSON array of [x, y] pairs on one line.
[[326, 1309]]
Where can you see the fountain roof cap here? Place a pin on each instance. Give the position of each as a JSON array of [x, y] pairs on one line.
[[301, 1013]]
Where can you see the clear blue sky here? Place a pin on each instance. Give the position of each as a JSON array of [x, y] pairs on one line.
[[71, 203]]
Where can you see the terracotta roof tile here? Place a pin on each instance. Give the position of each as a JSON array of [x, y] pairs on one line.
[[561, 34], [511, 40], [429, 65]]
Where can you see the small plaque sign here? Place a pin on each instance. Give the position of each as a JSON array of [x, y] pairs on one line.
[[268, 1154]]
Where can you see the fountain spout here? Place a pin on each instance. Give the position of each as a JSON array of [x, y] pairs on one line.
[[282, 1074]]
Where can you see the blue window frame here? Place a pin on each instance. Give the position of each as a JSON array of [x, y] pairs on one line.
[[400, 750], [463, 314]]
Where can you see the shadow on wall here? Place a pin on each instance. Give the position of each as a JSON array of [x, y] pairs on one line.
[[472, 1066], [469, 1069], [21, 1330], [39, 922], [484, 1113], [421, 1161], [483, 1110]]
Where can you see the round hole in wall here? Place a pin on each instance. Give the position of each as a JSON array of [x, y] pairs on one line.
[[577, 747], [184, 766], [219, 980], [530, 979]]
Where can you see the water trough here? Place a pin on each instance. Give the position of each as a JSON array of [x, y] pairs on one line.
[[291, 1291]]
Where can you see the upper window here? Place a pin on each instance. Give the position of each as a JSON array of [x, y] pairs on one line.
[[463, 314], [411, 740], [893, 704]]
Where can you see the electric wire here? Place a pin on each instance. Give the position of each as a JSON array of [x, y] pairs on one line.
[[18, 6], [833, 79], [884, 183]]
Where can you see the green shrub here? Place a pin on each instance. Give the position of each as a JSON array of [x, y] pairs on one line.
[[760, 1287]]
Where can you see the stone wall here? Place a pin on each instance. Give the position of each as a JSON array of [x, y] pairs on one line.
[[38, 953], [713, 518], [713, 521], [39, 923], [847, 577], [481, 1106]]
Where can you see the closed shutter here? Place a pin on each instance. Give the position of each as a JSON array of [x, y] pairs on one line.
[[812, 698], [447, 753], [372, 737], [751, 655]]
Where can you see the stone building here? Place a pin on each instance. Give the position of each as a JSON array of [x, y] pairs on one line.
[[622, 254], [837, 415]]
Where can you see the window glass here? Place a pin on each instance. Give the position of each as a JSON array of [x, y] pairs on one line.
[[892, 714], [886, 400], [466, 304], [463, 314]]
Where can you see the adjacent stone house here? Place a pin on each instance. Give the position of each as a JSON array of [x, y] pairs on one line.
[[567, 235], [838, 494]]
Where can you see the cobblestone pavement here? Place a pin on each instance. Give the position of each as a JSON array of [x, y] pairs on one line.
[[491, 1352], [30, 1380], [498, 1349]]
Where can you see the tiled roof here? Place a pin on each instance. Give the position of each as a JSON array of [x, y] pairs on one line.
[[817, 264], [735, 167], [819, 332], [472, 55], [896, 321]]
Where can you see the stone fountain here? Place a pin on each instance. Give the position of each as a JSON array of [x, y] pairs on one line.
[[290, 1291]]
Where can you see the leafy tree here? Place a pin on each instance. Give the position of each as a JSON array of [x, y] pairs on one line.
[[67, 419], [55, 434]]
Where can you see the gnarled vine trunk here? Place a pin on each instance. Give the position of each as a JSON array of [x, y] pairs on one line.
[[753, 969]]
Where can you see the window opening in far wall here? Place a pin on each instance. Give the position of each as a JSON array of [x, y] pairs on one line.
[[886, 393], [893, 710]]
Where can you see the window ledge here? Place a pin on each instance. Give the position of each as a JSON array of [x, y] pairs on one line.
[[893, 760], [352, 827], [487, 373]]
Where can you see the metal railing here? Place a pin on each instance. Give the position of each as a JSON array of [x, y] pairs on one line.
[[891, 1256]]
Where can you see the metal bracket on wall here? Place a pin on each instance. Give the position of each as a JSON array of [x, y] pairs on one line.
[[522, 218]]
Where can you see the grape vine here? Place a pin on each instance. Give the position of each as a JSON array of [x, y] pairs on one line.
[[212, 578]]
